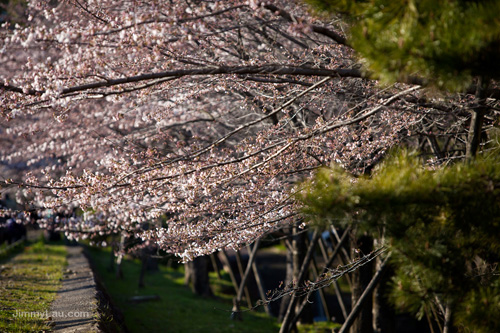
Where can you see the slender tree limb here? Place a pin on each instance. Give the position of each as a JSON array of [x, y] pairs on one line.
[[316, 28], [260, 286], [325, 269], [288, 320], [364, 297], [227, 264], [245, 287], [169, 21], [244, 279], [338, 294]]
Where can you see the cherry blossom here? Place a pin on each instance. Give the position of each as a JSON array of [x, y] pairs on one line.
[[195, 117]]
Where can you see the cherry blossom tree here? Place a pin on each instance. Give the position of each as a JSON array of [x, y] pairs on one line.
[[203, 113], [195, 118]]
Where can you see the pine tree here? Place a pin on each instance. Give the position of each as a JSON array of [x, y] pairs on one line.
[[446, 43], [440, 225]]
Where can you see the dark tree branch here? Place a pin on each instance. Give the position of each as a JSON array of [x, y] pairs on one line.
[[222, 70], [316, 28], [477, 118]]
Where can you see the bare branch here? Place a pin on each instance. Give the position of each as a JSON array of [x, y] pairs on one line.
[[223, 70], [316, 28]]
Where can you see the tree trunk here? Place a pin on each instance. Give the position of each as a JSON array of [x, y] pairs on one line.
[[384, 316], [344, 255], [474, 136], [260, 286], [114, 251], [448, 326], [288, 278], [144, 264], [301, 246], [215, 266], [148, 263], [198, 276], [365, 298], [227, 267], [320, 291], [290, 319], [119, 257], [329, 261], [360, 279], [244, 279], [187, 274], [296, 251], [239, 263], [476, 122]]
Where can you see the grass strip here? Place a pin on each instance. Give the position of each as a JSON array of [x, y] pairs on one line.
[[28, 284], [7, 250], [178, 309]]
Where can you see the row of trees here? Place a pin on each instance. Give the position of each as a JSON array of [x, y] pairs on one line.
[[198, 117]]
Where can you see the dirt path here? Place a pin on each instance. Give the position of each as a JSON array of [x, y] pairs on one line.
[[75, 307]]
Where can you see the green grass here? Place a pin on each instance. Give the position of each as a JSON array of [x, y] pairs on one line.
[[178, 309], [7, 250], [28, 284], [318, 327]]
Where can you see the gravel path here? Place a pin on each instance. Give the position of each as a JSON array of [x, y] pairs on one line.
[[75, 307]]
